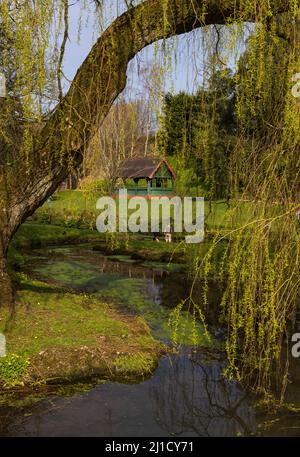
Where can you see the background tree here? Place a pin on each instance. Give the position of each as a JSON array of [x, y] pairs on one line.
[[199, 131], [129, 129]]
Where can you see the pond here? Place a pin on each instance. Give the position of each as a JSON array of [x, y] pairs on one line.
[[187, 395]]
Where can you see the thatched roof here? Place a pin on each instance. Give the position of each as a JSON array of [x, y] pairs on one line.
[[142, 167]]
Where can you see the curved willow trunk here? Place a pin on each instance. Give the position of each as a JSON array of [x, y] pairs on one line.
[[59, 145]]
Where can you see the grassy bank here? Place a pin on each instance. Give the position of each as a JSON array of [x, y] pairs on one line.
[[34, 235], [78, 209], [55, 336]]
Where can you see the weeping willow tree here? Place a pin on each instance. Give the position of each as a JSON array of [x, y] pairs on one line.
[[42, 141], [260, 265]]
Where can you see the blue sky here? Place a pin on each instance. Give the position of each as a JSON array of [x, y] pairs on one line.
[[187, 69]]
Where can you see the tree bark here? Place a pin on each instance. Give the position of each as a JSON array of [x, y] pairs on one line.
[[100, 79], [7, 294], [6, 285]]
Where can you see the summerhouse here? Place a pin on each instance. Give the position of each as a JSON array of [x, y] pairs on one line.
[[147, 176]]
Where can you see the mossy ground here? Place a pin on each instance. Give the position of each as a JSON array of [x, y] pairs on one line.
[[54, 336], [133, 294]]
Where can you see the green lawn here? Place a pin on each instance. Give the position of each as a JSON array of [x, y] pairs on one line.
[[76, 208]]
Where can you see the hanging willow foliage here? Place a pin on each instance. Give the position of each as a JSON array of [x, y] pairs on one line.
[[260, 265]]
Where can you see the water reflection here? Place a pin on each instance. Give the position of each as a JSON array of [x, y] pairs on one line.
[[186, 397], [87, 271], [194, 398]]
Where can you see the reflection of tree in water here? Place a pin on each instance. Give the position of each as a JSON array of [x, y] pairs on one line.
[[192, 397]]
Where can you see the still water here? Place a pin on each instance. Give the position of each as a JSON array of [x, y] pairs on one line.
[[187, 395]]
